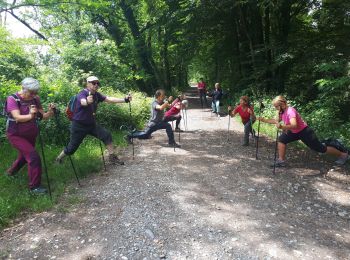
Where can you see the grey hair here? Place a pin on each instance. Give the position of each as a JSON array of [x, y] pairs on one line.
[[30, 84]]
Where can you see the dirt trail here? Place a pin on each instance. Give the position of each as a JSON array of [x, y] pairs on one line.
[[208, 200]]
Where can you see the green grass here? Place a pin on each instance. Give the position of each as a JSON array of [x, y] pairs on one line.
[[15, 197]]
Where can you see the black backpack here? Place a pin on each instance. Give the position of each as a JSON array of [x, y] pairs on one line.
[[3, 108], [336, 144]]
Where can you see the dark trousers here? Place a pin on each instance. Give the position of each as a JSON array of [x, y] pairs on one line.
[[79, 131], [247, 130], [150, 129], [203, 98], [172, 118]]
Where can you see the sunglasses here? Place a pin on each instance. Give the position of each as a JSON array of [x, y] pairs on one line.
[[95, 83]]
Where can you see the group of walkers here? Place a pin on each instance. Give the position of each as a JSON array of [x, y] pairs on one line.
[[287, 119], [24, 111]]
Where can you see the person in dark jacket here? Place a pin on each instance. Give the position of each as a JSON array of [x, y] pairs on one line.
[[216, 97]]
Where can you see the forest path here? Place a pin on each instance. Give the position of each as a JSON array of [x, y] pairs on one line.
[[209, 199]]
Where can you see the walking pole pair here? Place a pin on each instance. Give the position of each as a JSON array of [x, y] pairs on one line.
[[43, 155]]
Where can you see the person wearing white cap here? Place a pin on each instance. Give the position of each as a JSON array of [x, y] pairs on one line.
[[23, 109], [84, 122]]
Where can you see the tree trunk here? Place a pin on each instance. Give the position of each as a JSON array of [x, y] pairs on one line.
[[142, 51]]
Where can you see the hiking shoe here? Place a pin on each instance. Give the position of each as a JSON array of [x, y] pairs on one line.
[[342, 160], [279, 164], [178, 130], [38, 190], [128, 139], [176, 145], [58, 161], [115, 160]]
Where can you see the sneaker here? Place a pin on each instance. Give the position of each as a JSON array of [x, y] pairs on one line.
[[342, 160], [38, 190], [176, 145], [178, 130], [115, 160], [279, 164], [58, 160]]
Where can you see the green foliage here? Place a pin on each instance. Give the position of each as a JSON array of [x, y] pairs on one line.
[[14, 62], [14, 195]]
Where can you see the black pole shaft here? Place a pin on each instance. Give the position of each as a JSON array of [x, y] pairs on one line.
[[274, 162], [257, 138], [73, 167], [132, 136], [70, 158], [44, 160], [103, 157], [228, 127]]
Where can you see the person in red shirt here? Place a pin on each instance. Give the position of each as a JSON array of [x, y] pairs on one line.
[[202, 92], [174, 113], [246, 111]]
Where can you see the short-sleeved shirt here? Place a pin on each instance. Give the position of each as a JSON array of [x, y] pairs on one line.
[[201, 85], [290, 113], [86, 114], [173, 111], [156, 114], [24, 109], [245, 116]]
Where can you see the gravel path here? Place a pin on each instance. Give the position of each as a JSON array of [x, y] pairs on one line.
[[208, 200]]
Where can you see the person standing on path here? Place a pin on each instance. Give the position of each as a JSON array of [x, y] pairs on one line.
[[24, 109], [202, 92], [156, 121], [174, 112], [246, 112], [84, 121], [216, 98], [294, 129]]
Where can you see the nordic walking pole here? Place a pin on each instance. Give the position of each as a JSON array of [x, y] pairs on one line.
[[261, 107], [73, 167], [172, 126], [274, 162], [103, 157], [228, 127], [43, 155], [132, 136], [58, 124]]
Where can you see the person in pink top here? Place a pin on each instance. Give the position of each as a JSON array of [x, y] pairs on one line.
[[294, 129], [202, 91], [246, 111], [23, 109], [174, 113]]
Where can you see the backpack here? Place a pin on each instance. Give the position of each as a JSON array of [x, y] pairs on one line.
[[71, 107], [3, 112], [336, 144]]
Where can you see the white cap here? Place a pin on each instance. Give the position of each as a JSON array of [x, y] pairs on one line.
[[185, 102], [30, 84], [92, 78]]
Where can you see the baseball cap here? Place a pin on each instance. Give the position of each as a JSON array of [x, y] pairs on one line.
[[92, 78]]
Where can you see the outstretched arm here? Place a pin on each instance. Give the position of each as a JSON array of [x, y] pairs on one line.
[[127, 99]]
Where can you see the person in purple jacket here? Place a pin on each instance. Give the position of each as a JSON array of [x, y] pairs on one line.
[[84, 122], [23, 109]]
